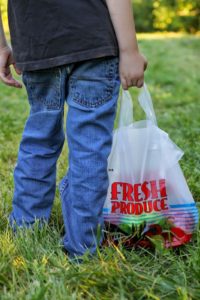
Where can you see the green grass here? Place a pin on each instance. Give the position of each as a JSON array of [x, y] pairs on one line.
[[32, 265]]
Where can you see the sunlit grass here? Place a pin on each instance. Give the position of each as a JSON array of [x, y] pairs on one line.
[[164, 35], [32, 264]]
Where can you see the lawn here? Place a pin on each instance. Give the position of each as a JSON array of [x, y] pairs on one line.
[[32, 265]]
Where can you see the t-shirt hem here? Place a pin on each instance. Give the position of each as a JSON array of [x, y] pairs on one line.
[[67, 59]]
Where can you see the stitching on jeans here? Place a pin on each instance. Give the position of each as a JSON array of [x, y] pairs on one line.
[[53, 103], [63, 186], [107, 92], [57, 104]]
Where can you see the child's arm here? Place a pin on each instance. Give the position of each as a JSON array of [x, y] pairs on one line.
[[6, 59], [132, 63]]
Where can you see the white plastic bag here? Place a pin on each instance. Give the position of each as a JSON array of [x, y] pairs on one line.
[[146, 184]]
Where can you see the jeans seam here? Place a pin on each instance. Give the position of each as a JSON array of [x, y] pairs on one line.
[[63, 185]]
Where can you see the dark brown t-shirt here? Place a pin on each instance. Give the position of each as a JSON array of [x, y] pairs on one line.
[[49, 33]]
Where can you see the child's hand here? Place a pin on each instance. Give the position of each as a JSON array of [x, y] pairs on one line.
[[6, 59], [131, 68]]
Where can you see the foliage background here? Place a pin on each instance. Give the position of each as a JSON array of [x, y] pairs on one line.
[[167, 15]]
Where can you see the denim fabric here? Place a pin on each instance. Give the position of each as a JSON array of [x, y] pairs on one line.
[[91, 90]]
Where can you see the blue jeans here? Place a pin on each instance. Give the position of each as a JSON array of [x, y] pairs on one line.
[[91, 90]]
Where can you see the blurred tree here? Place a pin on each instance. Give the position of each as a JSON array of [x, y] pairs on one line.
[[164, 13], [188, 15], [175, 15], [143, 12], [171, 15]]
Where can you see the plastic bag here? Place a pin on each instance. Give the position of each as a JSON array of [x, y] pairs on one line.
[[146, 185]]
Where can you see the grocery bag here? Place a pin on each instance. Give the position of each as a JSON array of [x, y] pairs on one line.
[[146, 184]]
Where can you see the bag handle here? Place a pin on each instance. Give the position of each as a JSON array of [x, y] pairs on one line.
[[146, 103], [126, 107]]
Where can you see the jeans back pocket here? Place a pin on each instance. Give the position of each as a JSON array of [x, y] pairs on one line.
[[43, 89], [92, 82]]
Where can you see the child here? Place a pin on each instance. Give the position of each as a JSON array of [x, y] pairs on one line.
[[78, 52]]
